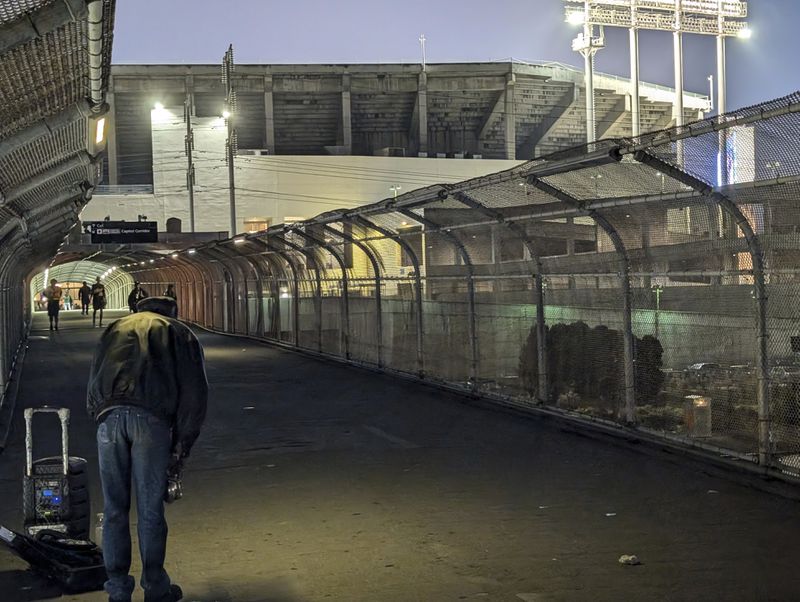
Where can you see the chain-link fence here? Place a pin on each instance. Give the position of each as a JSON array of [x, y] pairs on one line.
[[649, 283]]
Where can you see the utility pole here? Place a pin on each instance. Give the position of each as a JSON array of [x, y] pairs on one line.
[[231, 144], [189, 144], [422, 44]]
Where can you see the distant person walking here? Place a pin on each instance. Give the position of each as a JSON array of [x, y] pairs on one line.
[[67, 300], [85, 296], [53, 294], [98, 301], [148, 394], [136, 295]]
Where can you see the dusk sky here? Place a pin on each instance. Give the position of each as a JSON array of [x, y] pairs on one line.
[[383, 31]]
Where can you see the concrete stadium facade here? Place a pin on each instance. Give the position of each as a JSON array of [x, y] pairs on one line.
[[318, 137]]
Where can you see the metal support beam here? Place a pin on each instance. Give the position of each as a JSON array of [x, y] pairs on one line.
[[376, 268], [345, 330], [311, 256], [471, 318], [418, 284], [267, 243], [625, 283], [44, 20], [757, 255], [537, 273]]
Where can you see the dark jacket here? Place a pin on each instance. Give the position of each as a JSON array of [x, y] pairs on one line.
[[154, 362], [136, 295]]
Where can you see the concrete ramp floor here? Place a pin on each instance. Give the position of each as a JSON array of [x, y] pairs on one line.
[[314, 482]]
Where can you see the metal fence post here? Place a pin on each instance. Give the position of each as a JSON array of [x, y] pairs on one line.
[[629, 366], [757, 255], [418, 282], [376, 268], [541, 339], [541, 332], [345, 331], [471, 319]]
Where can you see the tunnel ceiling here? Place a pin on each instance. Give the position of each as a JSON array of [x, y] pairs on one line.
[[79, 271], [54, 68]]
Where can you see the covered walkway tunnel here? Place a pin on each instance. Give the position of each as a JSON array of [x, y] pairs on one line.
[[639, 288]]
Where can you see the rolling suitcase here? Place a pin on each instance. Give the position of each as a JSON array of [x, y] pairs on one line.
[[55, 489]]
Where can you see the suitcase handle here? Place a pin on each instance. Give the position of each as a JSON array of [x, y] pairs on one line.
[[63, 415]]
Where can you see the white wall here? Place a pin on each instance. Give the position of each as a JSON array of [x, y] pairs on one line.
[[273, 187]]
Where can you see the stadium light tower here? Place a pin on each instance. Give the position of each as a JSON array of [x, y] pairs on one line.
[[588, 45], [720, 18]]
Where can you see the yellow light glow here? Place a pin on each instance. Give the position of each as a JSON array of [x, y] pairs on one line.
[[101, 130]]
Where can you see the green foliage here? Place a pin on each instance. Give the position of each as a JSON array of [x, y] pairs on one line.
[[587, 363]]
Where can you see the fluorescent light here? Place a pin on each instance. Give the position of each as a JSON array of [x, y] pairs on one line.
[[101, 130], [174, 255], [237, 241], [192, 251]]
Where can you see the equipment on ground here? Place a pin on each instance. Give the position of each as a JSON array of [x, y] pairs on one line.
[[55, 489], [75, 565]]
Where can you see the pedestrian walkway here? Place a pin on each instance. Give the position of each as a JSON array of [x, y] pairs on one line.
[[313, 482]]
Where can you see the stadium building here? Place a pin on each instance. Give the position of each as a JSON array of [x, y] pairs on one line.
[[311, 138]]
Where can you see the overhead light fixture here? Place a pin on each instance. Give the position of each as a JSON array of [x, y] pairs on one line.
[[576, 17], [192, 251], [174, 255], [158, 106], [100, 131], [237, 241]]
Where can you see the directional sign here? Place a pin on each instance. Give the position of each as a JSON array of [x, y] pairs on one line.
[[121, 232]]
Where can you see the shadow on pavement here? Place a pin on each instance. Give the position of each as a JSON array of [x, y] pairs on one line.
[[272, 590], [25, 585]]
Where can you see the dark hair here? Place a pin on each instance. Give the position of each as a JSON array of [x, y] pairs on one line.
[[164, 306]]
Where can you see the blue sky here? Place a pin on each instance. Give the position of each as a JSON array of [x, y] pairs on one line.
[[384, 31]]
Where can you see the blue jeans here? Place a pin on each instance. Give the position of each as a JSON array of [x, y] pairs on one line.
[[132, 442]]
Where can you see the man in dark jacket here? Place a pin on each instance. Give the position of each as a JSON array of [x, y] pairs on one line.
[[85, 294], [136, 295], [148, 393]]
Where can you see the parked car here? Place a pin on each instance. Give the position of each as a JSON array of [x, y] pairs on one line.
[[785, 373], [705, 368]]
